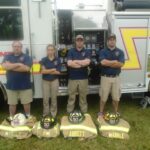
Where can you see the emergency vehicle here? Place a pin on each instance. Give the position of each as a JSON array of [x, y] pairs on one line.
[[37, 23]]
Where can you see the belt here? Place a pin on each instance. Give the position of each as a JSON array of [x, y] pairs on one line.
[[50, 80], [111, 76]]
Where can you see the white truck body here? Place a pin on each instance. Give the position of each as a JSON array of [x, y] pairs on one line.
[[40, 27]]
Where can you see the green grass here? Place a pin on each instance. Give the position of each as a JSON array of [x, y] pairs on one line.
[[138, 118]]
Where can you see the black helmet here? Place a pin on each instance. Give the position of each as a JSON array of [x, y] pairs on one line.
[[112, 118], [76, 117], [48, 122]]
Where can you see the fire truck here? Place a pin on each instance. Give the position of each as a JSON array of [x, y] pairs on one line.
[[37, 23]]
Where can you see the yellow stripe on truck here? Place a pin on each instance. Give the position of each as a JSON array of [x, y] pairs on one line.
[[128, 35], [2, 71], [35, 69]]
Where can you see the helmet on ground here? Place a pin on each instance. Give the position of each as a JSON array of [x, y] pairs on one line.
[[18, 120], [76, 117], [48, 122], [112, 118]]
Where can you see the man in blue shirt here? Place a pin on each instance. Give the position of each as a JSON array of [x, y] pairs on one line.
[[111, 59], [17, 66], [78, 61]]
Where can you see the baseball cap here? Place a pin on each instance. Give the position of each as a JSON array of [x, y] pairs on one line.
[[112, 35], [79, 37]]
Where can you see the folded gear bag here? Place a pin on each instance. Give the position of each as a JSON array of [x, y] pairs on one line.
[[119, 131], [85, 129], [40, 132]]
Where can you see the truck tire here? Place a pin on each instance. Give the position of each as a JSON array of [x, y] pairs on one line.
[[3, 94]]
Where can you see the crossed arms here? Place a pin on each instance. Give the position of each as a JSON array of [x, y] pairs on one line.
[[49, 71], [18, 67], [70, 63], [112, 63], [78, 63]]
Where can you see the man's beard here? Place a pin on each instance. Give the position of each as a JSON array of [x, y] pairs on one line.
[[17, 53]]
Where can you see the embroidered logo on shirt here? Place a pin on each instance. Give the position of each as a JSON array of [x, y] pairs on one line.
[[117, 53], [83, 54], [55, 63], [21, 59]]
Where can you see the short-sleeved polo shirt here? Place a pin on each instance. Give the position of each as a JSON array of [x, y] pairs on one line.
[[108, 54], [18, 80], [50, 64], [78, 73]]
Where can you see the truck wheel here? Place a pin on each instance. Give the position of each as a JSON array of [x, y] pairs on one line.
[[3, 94]]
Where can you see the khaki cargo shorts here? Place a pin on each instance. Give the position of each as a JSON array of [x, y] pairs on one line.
[[111, 86], [25, 96]]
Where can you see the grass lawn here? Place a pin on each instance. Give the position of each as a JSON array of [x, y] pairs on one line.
[[138, 118]]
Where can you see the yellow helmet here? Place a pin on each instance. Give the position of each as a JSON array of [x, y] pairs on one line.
[[112, 118], [48, 122]]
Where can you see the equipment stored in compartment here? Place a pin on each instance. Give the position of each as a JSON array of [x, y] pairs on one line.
[[65, 26]]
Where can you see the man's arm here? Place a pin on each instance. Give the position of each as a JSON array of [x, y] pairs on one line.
[[117, 64], [84, 62], [10, 66], [103, 59], [73, 64], [18, 67], [120, 62], [70, 62], [112, 63], [108, 63], [22, 68]]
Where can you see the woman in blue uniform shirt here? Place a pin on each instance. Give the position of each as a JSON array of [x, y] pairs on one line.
[[50, 69]]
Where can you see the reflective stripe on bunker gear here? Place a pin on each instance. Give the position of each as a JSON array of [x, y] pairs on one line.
[[122, 126], [119, 131], [86, 129], [14, 129], [21, 132]]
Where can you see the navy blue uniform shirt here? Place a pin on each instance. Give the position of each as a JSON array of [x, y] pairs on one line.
[[18, 80], [78, 73], [50, 64], [108, 54]]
